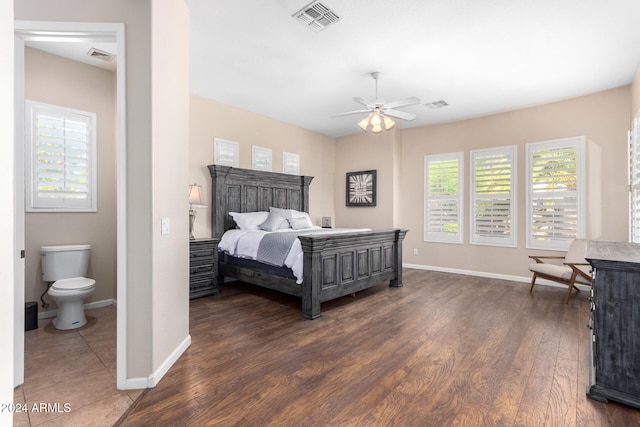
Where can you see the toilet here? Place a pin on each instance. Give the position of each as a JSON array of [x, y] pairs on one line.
[[65, 267]]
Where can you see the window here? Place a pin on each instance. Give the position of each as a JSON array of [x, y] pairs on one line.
[[493, 196], [61, 164], [634, 184], [443, 206], [555, 193]]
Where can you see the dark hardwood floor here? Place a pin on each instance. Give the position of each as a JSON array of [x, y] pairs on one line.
[[442, 350]]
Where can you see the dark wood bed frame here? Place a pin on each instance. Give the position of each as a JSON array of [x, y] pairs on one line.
[[334, 265]]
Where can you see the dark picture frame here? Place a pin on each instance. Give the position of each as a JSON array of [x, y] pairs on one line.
[[361, 188]]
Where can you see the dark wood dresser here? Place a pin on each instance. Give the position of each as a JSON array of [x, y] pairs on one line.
[[203, 267], [615, 322]]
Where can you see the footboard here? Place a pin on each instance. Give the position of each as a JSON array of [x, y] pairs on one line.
[[340, 264]]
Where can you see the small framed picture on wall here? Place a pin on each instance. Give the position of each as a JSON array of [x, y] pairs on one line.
[[226, 152], [361, 188], [261, 158], [290, 163]]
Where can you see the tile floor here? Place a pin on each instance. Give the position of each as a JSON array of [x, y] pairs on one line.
[[73, 373]]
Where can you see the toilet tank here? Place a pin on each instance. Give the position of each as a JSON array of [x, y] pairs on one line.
[[64, 262]]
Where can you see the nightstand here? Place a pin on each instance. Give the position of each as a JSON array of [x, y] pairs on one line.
[[203, 267]]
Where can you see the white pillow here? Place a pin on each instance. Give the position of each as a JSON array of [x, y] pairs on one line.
[[274, 222], [249, 220], [302, 222]]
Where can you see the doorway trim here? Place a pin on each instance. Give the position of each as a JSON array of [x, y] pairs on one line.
[[114, 32]]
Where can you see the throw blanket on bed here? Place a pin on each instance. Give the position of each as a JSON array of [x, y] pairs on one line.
[[274, 248]]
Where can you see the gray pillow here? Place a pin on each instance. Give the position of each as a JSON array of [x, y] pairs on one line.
[[273, 222], [285, 213]]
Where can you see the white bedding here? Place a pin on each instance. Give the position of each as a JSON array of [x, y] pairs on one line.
[[245, 243]]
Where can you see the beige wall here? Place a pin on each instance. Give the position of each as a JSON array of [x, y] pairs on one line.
[[55, 80], [635, 95], [368, 151], [603, 118], [170, 125], [211, 119]]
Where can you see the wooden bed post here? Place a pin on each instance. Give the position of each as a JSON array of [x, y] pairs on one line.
[[397, 258], [312, 262]]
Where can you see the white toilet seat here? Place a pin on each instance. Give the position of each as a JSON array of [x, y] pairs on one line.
[[73, 284]]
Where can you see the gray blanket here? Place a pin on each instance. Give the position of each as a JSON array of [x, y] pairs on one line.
[[274, 248]]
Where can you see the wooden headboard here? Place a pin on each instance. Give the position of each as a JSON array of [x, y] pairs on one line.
[[246, 190]]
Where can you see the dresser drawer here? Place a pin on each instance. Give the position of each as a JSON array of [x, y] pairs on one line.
[[203, 279], [201, 288], [194, 262], [201, 269], [201, 252]]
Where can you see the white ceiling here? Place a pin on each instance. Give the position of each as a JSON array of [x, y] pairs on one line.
[[480, 56], [78, 50]]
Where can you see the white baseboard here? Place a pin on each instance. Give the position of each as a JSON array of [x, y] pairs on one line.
[[135, 383], [490, 275], [155, 377], [88, 306]]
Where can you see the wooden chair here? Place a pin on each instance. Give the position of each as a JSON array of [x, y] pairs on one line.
[[574, 269]]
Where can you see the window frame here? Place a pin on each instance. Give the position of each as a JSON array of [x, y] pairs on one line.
[[60, 204], [510, 152], [558, 244], [442, 237]]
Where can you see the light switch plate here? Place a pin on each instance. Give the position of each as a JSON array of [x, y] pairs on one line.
[[165, 226]]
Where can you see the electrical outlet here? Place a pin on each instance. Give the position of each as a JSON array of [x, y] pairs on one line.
[[415, 251], [165, 226]]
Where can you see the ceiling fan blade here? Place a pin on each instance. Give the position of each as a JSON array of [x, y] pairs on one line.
[[365, 102], [400, 114], [350, 112], [403, 102]]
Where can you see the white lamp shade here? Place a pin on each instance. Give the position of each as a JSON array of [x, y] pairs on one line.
[[365, 122], [388, 123], [196, 197], [375, 120]]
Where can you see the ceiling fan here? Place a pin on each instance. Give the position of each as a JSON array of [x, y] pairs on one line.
[[380, 111]]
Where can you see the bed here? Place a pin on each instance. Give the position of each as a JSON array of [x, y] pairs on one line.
[[334, 265]]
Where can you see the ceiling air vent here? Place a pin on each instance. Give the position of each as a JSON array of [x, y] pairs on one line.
[[316, 16], [100, 54], [437, 104]]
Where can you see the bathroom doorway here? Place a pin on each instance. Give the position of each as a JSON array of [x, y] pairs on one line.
[[52, 33]]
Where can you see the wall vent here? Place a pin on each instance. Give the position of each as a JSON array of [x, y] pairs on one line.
[[437, 104], [100, 54], [316, 16]]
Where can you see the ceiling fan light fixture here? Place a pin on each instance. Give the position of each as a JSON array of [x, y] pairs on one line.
[[365, 122], [379, 111], [376, 120], [388, 123]]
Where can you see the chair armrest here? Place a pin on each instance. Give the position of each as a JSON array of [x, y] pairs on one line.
[[539, 258], [574, 267]]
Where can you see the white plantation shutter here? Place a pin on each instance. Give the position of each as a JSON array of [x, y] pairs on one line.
[[555, 202], [61, 168], [493, 196], [443, 208], [634, 184]]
